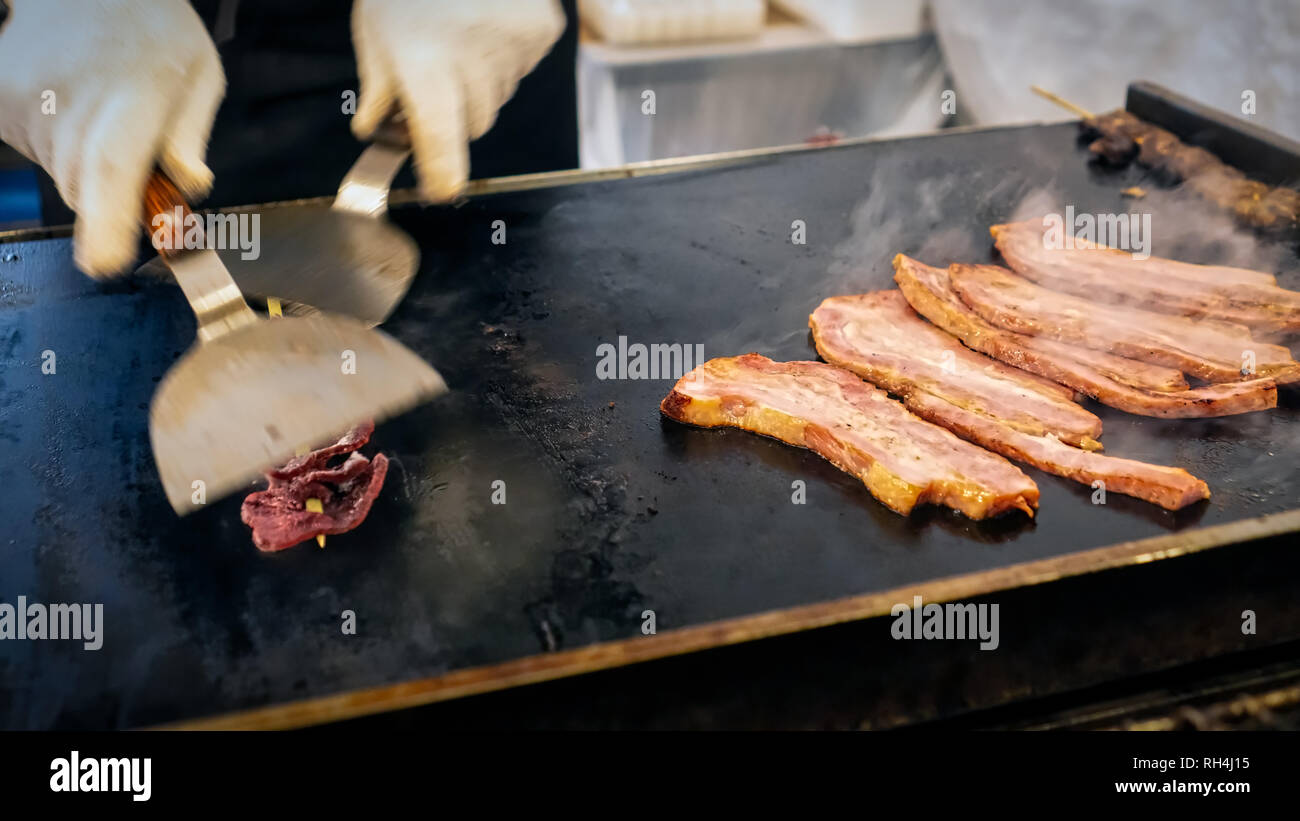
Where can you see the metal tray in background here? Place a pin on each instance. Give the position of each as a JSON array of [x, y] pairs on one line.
[[611, 510]]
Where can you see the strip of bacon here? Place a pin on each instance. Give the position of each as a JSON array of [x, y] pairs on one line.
[[1102, 274], [1130, 372], [903, 460], [1171, 488], [929, 291], [880, 338], [1208, 349]]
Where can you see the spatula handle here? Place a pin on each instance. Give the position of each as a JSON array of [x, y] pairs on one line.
[[162, 199], [393, 133], [365, 189], [212, 293]]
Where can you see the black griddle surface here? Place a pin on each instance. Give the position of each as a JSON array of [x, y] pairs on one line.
[[610, 510]]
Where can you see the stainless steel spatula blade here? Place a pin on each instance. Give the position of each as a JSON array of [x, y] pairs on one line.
[[253, 391], [336, 261], [251, 398]]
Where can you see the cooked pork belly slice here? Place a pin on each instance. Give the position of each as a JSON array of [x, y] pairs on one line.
[[1118, 262], [1211, 350], [1102, 274], [1130, 372], [1171, 488], [903, 460], [879, 337], [929, 291]]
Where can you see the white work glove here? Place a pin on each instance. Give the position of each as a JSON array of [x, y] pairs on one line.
[[448, 66], [98, 92]]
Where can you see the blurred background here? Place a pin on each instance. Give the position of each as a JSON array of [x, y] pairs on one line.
[[637, 80]]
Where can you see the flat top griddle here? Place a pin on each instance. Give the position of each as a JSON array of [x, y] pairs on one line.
[[610, 510]]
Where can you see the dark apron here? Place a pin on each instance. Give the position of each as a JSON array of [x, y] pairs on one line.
[[281, 132]]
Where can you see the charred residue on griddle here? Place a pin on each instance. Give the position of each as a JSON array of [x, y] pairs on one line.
[[583, 590], [15, 294], [536, 396], [502, 340]]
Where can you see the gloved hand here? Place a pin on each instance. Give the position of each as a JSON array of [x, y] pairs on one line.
[[448, 66], [99, 92]]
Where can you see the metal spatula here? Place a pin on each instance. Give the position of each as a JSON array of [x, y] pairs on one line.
[[252, 392], [346, 259]]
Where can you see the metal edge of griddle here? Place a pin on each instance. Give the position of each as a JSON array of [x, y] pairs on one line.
[[556, 179], [1262, 154], [543, 667]]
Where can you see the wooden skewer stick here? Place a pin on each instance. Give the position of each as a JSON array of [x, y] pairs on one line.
[[1062, 102]]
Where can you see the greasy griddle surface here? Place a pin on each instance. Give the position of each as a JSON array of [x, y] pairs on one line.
[[610, 509]]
